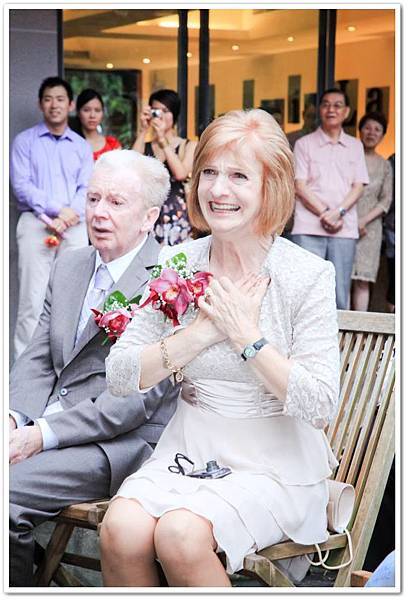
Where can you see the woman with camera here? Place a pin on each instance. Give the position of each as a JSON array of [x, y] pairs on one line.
[[260, 379], [90, 112], [159, 119]]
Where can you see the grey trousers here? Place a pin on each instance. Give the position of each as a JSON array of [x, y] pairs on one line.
[[35, 261], [339, 251], [40, 487]]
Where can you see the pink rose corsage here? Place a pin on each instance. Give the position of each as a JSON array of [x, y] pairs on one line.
[[116, 315]]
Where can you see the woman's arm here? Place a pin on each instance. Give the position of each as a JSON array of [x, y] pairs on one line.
[[180, 167], [145, 119], [308, 381]]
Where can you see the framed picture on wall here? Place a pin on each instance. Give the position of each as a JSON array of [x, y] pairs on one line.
[[120, 91], [378, 100], [276, 108], [248, 90], [350, 87], [294, 83]]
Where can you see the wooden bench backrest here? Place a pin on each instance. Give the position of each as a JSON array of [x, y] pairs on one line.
[[367, 377]]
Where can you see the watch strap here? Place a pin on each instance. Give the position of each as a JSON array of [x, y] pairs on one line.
[[255, 346]]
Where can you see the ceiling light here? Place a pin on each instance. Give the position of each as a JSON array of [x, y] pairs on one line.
[[109, 65], [189, 55], [351, 28], [291, 38], [235, 47], [146, 61], [170, 24]]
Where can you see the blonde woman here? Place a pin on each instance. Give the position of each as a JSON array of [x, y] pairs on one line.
[[260, 379]]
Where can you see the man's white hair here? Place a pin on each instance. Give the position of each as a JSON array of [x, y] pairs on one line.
[[154, 175]]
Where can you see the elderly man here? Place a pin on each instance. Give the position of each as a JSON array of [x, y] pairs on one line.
[[70, 440], [330, 174]]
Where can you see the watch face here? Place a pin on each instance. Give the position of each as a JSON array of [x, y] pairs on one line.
[[249, 352]]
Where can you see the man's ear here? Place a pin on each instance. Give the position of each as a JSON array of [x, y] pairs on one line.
[[150, 218], [71, 106], [347, 113]]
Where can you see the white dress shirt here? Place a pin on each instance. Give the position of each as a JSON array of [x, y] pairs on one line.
[[116, 269]]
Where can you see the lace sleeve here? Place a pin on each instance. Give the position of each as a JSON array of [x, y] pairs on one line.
[[123, 361], [313, 386]]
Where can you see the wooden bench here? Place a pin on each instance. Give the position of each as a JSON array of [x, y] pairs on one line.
[[361, 436]]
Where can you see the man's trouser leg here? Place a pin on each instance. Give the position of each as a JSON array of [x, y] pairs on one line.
[[316, 244], [43, 485], [341, 253], [35, 260]]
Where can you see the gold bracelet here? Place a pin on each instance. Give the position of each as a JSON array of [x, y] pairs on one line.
[[164, 144], [177, 371]]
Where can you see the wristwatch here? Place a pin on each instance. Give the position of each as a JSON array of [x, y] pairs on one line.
[[251, 349], [342, 211]]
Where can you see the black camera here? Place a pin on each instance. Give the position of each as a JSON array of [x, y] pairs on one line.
[[156, 112], [212, 471]]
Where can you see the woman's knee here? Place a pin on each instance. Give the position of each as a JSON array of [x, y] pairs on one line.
[[181, 535], [127, 529]]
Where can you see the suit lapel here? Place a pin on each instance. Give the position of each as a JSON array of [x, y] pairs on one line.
[[132, 282], [78, 282]]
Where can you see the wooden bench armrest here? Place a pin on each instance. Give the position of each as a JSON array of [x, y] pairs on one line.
[[90, 513], [359, 578]]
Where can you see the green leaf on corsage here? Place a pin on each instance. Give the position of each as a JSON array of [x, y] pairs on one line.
[[115, 300]]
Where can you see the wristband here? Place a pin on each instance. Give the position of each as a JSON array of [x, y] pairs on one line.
[[163, 144]]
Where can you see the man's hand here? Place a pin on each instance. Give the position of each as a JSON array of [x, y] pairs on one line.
[[12, 424], [24, 442], [68, 216], [331, 221], [57, 225]]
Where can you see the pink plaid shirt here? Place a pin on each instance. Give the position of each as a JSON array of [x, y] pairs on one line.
[[329, 169]]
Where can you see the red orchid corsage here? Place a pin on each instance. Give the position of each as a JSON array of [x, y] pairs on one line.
[[116, 315], [174, 288]]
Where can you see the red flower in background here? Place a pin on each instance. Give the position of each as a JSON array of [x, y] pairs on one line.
[[52, 241]]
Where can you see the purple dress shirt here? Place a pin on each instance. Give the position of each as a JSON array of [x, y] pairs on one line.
[[48, 173]]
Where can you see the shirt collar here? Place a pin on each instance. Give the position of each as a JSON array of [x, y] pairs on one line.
[[118, 266], [325, 139], [43, 130]]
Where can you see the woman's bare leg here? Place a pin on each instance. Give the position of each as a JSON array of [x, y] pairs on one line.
[[185, 546], [127, 547], [360, 295]]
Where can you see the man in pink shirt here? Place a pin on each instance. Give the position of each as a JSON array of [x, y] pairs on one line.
[[330, 173]]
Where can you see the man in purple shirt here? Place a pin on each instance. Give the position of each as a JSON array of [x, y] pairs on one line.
[[50, 168], [330, 174]]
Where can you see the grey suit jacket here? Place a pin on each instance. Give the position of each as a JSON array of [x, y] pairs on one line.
[[51, 369]]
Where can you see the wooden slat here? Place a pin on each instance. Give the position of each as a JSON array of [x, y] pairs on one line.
[[347, 400], [289, 549], [359, 411], [87, 562], [366, 321], [372, 400], [373, 492]]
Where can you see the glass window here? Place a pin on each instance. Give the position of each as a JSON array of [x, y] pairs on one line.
[[367, 35], [264, 58], [124, 55]]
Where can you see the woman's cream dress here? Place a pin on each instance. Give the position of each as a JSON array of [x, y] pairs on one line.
[[279, 455]]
